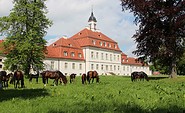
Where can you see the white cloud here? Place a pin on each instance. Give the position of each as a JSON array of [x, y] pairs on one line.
[[71, 16]]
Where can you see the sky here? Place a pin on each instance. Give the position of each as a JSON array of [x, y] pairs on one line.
[[71, 16]]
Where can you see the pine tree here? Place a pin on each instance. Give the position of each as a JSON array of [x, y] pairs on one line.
[[25, 27]]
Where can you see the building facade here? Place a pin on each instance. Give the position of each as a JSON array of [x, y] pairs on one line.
[[88, 50]]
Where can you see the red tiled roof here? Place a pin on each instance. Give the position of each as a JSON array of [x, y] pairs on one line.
[[130, 60], [91, 38], [65, 48]]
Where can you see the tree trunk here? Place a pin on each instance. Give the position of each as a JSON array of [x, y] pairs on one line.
[[173, 70]]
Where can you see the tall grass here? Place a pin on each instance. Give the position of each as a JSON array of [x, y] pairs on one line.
[[114, 94]]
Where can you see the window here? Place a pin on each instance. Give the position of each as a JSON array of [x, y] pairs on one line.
[[1, 66], [118, 57], [97, 66], [97, 55], [101, 43], [110, 57], [92, 66], [73, 65], [65, 65], [80, 66], [114, 67], [65, 53], [105, 44], [109, 45], [92, 55], [114, 57], [106, 56], [123, 68], [118, 67], [111, 67], [72, 54], [101, 67], [106, 67], [79, 55], [102, 56], [52, 65], [94, 42], [1, 60]]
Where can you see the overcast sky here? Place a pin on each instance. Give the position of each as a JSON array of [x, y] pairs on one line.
[[71, 16]]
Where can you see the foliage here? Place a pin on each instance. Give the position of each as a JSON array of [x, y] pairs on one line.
[[181, 66], [161, 30], [114, 94], [25, 28]]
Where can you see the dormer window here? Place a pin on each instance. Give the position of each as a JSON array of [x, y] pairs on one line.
[[94, 42], [105, 44], [79, 33], [115, 46], [65, 53], [54, 44], [72, 54], [70, 45], [101, 43], [79, 55], [109, 45], [99, 35]]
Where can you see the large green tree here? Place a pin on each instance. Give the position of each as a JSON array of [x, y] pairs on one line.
[[24, 29], [161, 34]]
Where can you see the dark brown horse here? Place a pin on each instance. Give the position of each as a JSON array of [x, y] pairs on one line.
[[135, 76], [4, 78], [72, 77], [92, 75], [63, 79], [56, 75], [17, 77], [84, 77]]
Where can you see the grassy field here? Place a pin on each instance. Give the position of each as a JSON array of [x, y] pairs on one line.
[[114, 94]]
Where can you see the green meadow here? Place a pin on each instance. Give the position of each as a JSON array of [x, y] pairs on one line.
[[114, 94]]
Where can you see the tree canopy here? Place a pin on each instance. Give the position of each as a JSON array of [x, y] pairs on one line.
[[161, 33], [24, 28]]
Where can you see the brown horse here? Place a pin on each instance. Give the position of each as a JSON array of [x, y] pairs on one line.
[[17, 77], [4, 78], [56, 75], [135, 76], [84, 77], [63, 79], [92, 75], [72, 77]]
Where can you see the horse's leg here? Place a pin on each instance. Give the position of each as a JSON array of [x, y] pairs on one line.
[[22, 83], [92, 80], [30, 80], [37, 80]]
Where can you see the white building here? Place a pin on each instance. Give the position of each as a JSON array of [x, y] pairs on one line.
[[88, 50]]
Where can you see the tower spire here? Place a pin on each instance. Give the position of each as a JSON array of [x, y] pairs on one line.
[[92, 21]]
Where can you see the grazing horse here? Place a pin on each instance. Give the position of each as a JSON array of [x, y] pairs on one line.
[[139, 76], [84, 77], [17, 77], [36, 76], [72, 77], [4, 78], [63, 79], [92, 75], [56, 75]]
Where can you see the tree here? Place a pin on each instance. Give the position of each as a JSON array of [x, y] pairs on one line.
[[161, 34], [25, 28]]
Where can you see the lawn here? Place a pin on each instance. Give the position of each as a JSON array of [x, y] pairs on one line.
[[114, 94]]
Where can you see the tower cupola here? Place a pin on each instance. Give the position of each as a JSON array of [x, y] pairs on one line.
[[92, 22]]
